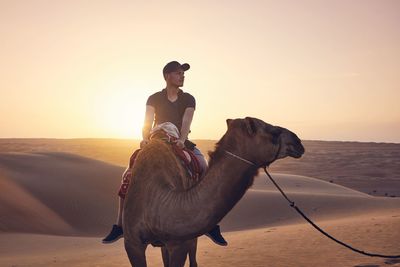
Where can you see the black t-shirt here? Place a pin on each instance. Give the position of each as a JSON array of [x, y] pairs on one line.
[[166, 110]]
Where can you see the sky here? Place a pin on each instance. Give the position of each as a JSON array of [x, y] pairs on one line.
[[327, 70]]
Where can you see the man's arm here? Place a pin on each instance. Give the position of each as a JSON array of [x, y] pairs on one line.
[[148, 123], [186, 122]]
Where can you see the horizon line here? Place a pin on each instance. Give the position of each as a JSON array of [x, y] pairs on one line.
[[199, 139]]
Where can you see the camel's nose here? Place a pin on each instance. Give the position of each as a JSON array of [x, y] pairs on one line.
[[300, 148], [297, 147]]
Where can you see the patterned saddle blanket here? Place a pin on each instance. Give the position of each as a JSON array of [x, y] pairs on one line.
[[187, 157]]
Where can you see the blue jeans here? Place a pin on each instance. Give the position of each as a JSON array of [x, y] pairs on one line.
[[201, 159]]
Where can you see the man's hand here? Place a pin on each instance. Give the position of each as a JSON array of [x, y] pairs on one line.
[[143, 143], [179, 143]]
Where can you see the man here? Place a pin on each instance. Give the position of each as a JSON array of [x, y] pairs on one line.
[[175, 106]]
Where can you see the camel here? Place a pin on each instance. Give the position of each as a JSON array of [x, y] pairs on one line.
[[164, 206]]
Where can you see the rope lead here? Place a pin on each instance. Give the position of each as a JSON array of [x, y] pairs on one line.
[[293, 205]]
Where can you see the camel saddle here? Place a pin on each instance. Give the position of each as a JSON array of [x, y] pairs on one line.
[[186, 155]]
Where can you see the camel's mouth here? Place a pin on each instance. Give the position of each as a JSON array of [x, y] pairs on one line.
[[295, 150], [295, 154]]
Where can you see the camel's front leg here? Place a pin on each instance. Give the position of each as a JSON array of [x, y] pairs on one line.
[[136, 253], [192, 253], [165, 256]]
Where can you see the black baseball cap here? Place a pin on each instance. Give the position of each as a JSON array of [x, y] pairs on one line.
[[174, 66]]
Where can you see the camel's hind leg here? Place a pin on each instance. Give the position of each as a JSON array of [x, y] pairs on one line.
[[192, 253], [136, 253]]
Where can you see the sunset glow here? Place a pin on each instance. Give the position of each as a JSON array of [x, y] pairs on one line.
[[328, 70]]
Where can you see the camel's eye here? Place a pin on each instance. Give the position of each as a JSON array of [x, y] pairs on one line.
[[276, 132]]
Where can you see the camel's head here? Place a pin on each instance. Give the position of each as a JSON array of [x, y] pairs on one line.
[[262, 143]]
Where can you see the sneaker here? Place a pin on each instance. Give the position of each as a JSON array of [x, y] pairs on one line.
[[215, 235], [115, 234]]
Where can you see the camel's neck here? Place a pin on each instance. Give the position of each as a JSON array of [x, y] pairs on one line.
[[199, 209], [223, 186]]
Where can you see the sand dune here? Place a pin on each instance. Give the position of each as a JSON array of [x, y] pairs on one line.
[[281, 246], [372, 168], [22, 212], [79, 190], [81, 193], [263, 205], [74, 197]]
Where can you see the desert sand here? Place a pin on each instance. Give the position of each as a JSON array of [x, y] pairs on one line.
[[58, 199]]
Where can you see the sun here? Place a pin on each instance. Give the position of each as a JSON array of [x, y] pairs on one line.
[[123, 121], [120, 113]]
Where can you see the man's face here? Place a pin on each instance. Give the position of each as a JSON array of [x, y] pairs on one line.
[[175, 78]]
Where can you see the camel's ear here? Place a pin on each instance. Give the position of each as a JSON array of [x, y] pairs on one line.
[[250, 125], [228, 122]]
